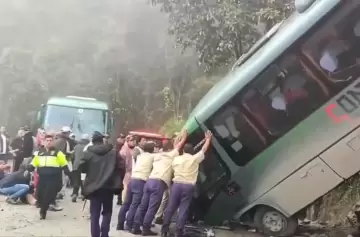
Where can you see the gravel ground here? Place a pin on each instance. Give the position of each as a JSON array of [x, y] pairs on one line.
[[23, 220]]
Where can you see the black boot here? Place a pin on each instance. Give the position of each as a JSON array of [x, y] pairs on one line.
[[120, 226], [148, 233], [136, 232], [73, 198], [42, 215], [159, 221], [119, 201]]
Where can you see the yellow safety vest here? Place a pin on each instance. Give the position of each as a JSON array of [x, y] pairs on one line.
[[52, 158]]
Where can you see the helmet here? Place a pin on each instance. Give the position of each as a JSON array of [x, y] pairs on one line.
[[66, 129]]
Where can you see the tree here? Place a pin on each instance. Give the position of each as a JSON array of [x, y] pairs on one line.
[[221, 30]]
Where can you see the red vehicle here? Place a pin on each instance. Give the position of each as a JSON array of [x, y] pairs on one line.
[[156, 137]]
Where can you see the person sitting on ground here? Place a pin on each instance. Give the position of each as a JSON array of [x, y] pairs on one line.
[[15, 185]]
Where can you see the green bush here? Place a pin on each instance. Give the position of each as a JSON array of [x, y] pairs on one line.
[[172, 126]]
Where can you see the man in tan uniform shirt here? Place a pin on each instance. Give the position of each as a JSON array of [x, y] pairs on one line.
[[158, 182], [134, 193], [186, 169]]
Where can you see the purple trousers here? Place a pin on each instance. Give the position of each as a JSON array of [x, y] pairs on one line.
[[102, 200], [180, 198], [150, 202], [132, 201]]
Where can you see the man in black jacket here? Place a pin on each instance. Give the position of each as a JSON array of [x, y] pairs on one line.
[[104, 174]]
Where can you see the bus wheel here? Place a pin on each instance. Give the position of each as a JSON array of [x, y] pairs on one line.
[[273, 223]]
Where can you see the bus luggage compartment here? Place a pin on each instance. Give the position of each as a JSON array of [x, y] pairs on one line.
[[344, 156], [303, 187]]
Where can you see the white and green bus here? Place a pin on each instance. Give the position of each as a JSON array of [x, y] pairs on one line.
[[285, 120], [81, 114]]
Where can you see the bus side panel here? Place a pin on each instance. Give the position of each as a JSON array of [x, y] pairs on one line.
[[344, 157], [301, 188]]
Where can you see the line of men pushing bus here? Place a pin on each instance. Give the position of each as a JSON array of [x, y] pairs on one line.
[[160, 183]]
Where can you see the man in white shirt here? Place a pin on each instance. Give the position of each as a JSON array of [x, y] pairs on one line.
[[186, 170], [159, 180], [140, 174]]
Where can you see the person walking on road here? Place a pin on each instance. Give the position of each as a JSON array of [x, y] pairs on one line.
[[104, 177], [50, 163], [76, 173], [159, 180], [186, 169]]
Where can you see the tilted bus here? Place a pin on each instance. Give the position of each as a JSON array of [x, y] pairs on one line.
[[285, 120], [83, 115]]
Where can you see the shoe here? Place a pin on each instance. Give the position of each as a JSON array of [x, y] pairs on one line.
[[164, 234], [42, 216], [60, 196], [148, 233], [120, 227], [53, 207], [73, 198], [10, 200], [159, 221], [136, 232]]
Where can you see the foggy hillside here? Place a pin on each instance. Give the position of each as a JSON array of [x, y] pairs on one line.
[[73, 47]]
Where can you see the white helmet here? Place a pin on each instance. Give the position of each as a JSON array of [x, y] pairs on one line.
[[66, 129]]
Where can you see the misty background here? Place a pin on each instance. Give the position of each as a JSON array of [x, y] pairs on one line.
[[151, 60]]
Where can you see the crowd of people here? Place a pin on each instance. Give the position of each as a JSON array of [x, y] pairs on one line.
[[152, 180]]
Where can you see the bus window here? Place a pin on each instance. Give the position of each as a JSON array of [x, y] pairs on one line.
[[282, 97], [235, 133], [335, 48]]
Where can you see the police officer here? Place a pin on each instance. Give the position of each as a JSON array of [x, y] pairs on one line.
[[50, 163], [186, 169]]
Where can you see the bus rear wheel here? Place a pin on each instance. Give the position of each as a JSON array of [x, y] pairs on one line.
[[272, 222]]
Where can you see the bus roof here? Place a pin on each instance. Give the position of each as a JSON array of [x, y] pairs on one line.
[[78, 102], [290, 30]]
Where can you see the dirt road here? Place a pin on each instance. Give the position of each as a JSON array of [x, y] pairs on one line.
[[23, 220]]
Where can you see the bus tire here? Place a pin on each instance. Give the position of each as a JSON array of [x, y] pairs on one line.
[[273, 223]]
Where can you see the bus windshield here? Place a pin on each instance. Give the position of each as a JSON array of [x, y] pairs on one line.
[[80, 120]]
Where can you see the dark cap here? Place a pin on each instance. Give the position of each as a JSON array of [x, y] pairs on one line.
[[97, 137]]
